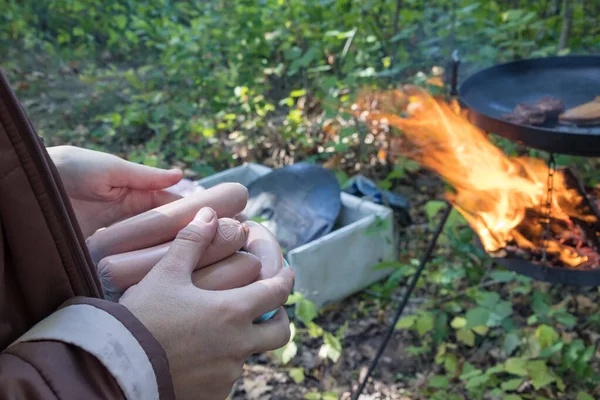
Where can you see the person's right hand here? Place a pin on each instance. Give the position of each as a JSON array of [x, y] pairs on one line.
[[207, 335]]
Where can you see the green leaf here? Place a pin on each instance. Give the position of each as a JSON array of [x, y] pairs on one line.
[[121, 21], [469, 371], [565, 318], [289, 351], [314, 330], [313, 396], [439, 382], [297, 375], [511, 343], [332, 347], [481, 330], [406, 322], [297, 93], [539, 374], [306, 311], [417, 350], [512, 384], [584, 396], [477, 316], [496, 369], [488, 299], [432, 207], [466, 336], [458, 322], [516, 366], [477, 381], [294, 298], [512, 397], [450, 363], [78, 31], [546, 336], [503, 276], [425, 323], [499, 313]]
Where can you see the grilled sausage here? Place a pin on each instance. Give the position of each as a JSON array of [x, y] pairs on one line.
[[238, 270], [263, 244], [120, 271], [162, 224]]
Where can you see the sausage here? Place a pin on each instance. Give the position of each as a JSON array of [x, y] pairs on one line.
[[120, 271], [263, 244], [236, 271], [162, 224]]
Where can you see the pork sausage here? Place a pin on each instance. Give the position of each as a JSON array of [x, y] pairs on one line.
[[162, 224]]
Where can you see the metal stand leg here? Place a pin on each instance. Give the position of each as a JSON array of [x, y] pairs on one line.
[[411, 287]]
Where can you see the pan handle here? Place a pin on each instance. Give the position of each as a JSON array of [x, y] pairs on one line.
[[454, 73]]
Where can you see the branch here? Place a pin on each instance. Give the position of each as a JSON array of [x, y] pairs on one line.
[[395, 32], [566, 27]]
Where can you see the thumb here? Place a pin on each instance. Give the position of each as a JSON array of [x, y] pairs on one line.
[[143, 177], [189, 246]]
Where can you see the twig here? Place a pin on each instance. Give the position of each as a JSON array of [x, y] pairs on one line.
[[395, 32], [566, 27], [349, 41]]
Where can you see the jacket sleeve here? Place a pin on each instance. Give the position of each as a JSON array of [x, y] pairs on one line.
[[87, 349]]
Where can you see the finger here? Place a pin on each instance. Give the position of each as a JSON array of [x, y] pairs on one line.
[[188, 247], [140, 201], [161, 224], [242, 217], [236, 271], [265, 246], [265, 295], [121, 271], [185, 187], [271, 334], [142, 177]]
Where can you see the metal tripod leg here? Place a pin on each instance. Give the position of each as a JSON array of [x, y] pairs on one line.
[[409, 291]]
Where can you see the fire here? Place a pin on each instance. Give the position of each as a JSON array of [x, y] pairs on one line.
[[502, 198]]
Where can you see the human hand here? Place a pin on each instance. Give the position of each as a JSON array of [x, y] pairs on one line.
[[207, 335], [160, 225], [104, 188], [223, 265]]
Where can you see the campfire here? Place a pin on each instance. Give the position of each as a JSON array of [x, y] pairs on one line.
[[505, 200]]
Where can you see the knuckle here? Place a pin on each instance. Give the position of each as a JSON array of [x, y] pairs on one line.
[[281, 292], [228, 310], [192, 235]]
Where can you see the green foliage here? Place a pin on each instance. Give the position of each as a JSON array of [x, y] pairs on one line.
[[207, 85]]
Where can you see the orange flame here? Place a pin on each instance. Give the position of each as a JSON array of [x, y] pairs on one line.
[[493, 192]]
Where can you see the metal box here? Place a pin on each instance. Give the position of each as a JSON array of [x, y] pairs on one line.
[[342, 262]]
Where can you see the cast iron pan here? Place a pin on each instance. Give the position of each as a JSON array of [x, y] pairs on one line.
[[495, 91], [567, 276]]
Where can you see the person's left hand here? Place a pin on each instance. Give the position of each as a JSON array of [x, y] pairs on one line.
[[104, 188]]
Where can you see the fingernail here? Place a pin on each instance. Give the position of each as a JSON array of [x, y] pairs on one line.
[[245, 228], [205, 215]]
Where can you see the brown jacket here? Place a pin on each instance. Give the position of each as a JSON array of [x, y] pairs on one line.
[[59, 338]]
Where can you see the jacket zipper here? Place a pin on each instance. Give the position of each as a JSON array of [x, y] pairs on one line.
[[47, 174]]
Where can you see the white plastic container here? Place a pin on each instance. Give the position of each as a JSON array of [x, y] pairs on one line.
[[342, 262]]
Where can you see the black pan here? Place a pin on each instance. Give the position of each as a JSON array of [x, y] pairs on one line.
[[495, 91], [568, 276]]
